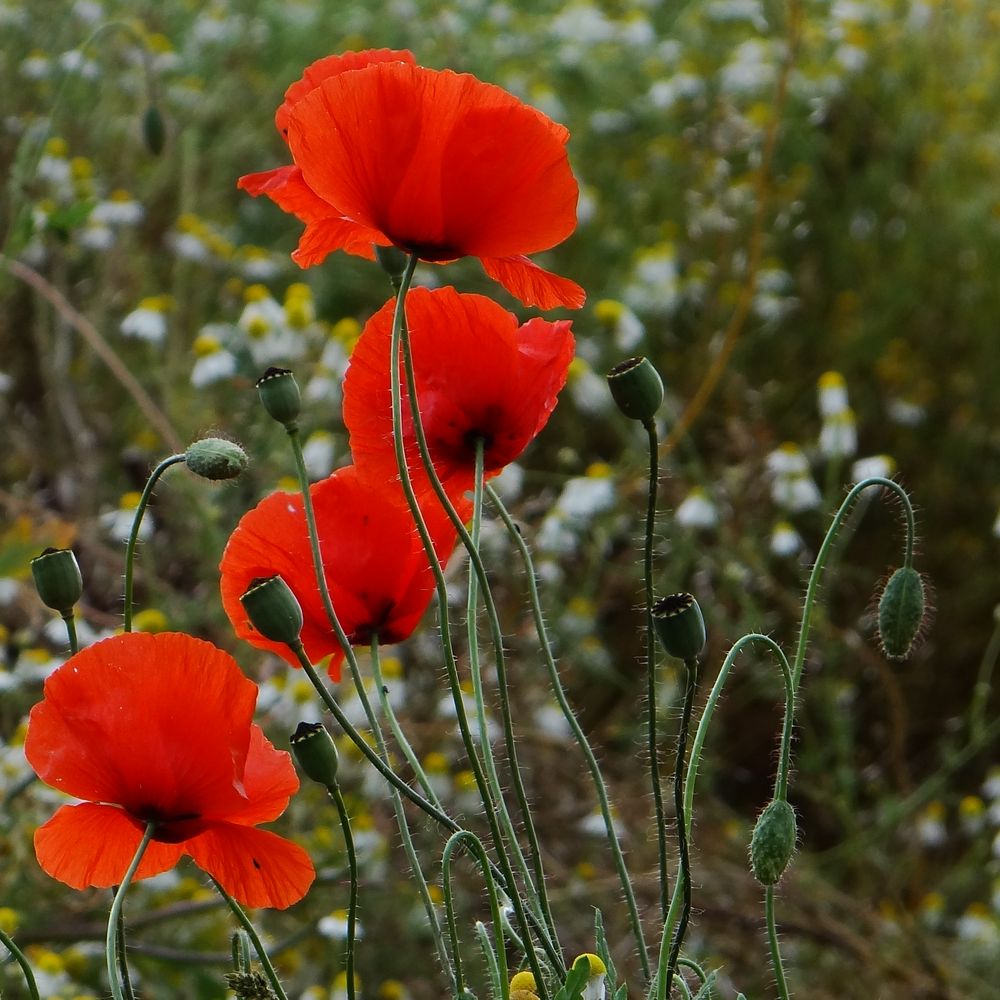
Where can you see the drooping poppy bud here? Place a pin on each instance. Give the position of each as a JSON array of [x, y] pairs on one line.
[[315, 752], [680, 626], [273, 610], [773, 842], [636, 388], [901, 611], [57, 579], [392, 260], [279, 392], [154, 131], [216, 459]]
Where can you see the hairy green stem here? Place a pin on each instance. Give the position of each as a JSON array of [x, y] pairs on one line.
[[133, 537], [475, 847], [126, 979], [22, 961], [772, 938], [400, 343], [262, 956], [74, 642], [579, 735], [654, 754], [352, 864], [111, 942]]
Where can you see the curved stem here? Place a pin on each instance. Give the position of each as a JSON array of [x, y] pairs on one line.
[[581, 737], [133, 537], [111, 943], [475, 846], [122, 960], [654, 755], [352, 864], [262, 956], [398, 341], [684, 875], [19, 957], [772, 938], [824, 552]]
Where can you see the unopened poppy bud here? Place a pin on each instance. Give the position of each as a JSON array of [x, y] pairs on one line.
[[392, 260], [637, 388], [279, 392], [57, 579], [901, 612], [680, 626], [315, 752], [273, 610], [216, 458], [154, 132], [773, 842]]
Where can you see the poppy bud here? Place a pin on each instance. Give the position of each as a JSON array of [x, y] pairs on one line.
[[273, 610], [680, 626], [392, 260], [773, 842], [57, 579], [154, 132], [216, 459], [637, 388], [315, 752], [901, 612], [279, 392]]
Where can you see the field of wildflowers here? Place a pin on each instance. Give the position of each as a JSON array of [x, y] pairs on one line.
[[655, 445]]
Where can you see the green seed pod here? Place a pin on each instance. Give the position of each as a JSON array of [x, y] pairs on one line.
[[216, 459], [57, 579], [273, 610], [154, 131], [680, 626], [773, 842], [901, 612], [392, 260], [279, 392], [636, 388], [315, 752]]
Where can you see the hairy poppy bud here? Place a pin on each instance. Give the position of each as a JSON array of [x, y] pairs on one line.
[[57, 579], [279, 392], [216, 458], [154, 132], [901, 612], [636, 388], [773, 842], [273, 610], [315, 752], [251, 985], [680, 626]]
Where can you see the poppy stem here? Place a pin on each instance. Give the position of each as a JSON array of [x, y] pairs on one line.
[[485, 742], [19, 957], [74, 642], [244, 920], [133, 536], [399, 341], [772, 939], [654, 754], [352, 864], [574, 724], [111, 943]]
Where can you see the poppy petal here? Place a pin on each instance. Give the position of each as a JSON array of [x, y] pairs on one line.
[[93, 845], [269, 779], [533, 285], [255, 867], [330, 66], [156, 723], [323, 236], [287, 189]]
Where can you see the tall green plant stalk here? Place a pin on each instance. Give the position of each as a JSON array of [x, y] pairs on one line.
[[399, 343], [352, 864], [579, 735], [29, 977], [111, 940]]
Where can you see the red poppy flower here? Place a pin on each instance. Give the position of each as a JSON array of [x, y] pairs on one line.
[[158, 728], [437, 163], [376, 570], [478, 375]]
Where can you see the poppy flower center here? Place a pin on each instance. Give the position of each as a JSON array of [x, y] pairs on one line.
[[170, 829]]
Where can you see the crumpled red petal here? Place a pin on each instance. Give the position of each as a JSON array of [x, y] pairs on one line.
[[533, 285]]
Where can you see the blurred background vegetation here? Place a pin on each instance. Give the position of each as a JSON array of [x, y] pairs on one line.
[[769, 192]]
